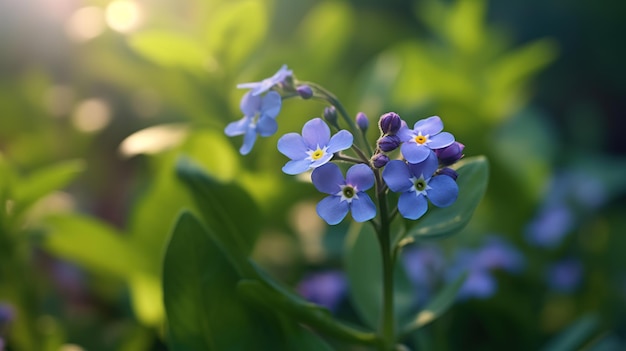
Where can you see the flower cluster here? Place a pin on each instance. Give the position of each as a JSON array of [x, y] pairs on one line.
[[419, 172]]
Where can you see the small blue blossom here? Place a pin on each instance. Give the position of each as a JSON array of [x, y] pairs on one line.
[[425, 267], [325, 288], [426, 135], [565, 276], [550, 226], [390, 123], [258, 88], [416, 183], [362, 122], [259, 117], [345, 195], [314, 148], [495, 254]]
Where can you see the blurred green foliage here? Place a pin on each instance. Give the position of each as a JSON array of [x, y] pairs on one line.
[[77, 84]]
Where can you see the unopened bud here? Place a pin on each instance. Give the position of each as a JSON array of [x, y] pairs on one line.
[[448, 172], [305, 91], [389, 143], [450, 154], [390, 123], [330, 115], [380, 160], [361, 121]]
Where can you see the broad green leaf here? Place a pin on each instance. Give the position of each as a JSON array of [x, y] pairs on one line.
[[226, 208], [575, 335], [310, 314], [363, 263], [170, 49], [438, 222], [92, 244], [437, 306], [199, 290], [29, 189]]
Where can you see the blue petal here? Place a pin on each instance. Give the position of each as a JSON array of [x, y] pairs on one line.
[[296, 166], [248, 141], [405, 134], [426, 168], [238, 127], [443, 192], [363, 209], [250, 104], [292, 146], [270, 105], [360, 176], [315, 133], [328, 178], [327, 156], [441, 140], [332, 210], [429, 126], [414, 153], [266, 126], [411, 205], [340, 141], [397, 176]]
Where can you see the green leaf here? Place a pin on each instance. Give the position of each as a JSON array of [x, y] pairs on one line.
[[44, 181], [227, 209], [92, 244], [437, 306], [575, 335], [365, 275], [170, 49], [299, 310], [201, 301], [438, 222]]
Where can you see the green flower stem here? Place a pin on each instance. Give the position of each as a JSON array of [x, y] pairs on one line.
[[387, 327]]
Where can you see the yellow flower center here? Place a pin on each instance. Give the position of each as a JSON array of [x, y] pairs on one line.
[[421, 139], [317, 154]]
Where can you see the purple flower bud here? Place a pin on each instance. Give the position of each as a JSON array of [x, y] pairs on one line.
[[361, 121], [305, 91], [380, 160], [449, 172], [330, 115], [389, 143], [450, 154], [390, 123]]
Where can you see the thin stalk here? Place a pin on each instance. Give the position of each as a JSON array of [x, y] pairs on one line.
[[387, 327]]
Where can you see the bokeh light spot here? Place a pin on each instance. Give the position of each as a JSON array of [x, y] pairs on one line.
[[91, 115], [123, 16], [85, 23]]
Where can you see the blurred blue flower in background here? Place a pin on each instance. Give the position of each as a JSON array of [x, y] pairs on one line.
[[425, 267], [326, 288], [258, 88], [314, 148], [259, 117], [495, 254], [569, 194], [565, 276]]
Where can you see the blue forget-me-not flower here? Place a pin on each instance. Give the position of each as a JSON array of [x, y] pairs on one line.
[[259, 118], [314, 148], [417, 182], [258, 88], [426, 135], [345, 194]]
